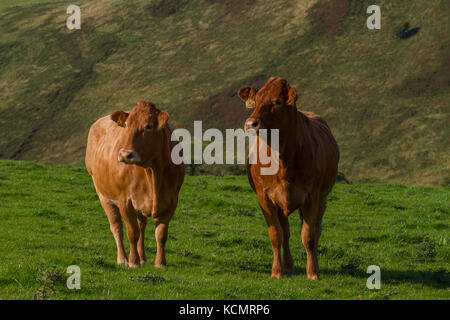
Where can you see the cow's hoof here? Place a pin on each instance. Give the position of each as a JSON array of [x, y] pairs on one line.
[[160, 262], [277, 275], [134, 265], [122, 262], [313, 276], [143, 262]]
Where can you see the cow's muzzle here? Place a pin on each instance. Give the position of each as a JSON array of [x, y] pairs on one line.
[[129, 156], [252, 124]]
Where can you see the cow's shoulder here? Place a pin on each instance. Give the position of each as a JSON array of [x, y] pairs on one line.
[[104, 126], [102, 136]]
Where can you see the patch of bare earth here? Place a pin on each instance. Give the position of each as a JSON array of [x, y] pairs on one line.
[[233, 9], [326, 15], [438, 79], [164, 8]]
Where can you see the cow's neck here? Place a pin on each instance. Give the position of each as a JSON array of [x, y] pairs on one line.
[[155, 176], [289, 146]]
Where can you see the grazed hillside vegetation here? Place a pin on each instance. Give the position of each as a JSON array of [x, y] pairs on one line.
[[386, 96]]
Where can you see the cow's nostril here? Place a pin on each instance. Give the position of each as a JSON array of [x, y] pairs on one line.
[[128, 156], [251, 124]]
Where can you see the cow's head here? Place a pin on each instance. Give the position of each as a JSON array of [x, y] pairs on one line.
[[144, 133], [274, 105]]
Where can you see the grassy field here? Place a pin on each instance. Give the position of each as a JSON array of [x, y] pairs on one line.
[[385, 97], [21, 3], [218, 246]]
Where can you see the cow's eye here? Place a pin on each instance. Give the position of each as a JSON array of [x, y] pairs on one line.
[[148, 127]]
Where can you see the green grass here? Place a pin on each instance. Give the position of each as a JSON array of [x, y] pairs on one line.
[[218, 245], [385, 98], [20, 3]]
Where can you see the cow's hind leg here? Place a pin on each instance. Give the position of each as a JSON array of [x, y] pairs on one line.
[[311, 230], [142, 223], [115, 224], [288, 262]]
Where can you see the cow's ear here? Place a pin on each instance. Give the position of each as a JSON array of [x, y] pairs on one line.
[[120, 117], [163, 117], [292, 96], [248, 95]]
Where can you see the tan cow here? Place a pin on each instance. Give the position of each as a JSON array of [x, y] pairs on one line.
[[308, 164], [128, 157]]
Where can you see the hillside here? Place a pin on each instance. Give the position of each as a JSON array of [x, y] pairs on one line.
[[385, 96]]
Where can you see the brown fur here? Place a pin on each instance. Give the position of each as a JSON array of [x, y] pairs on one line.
[[134, 192], [309, 158]]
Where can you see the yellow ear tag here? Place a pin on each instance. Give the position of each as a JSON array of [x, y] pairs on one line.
[[250, 104], [121, 123]]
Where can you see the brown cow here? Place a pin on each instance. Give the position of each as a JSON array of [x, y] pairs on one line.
[[308, 163], [128, 157]]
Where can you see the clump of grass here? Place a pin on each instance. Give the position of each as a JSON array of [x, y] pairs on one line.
[[47, 279], [382, 294], [239, 211], [426, 251], [351, 264], [185, 253], [148, 277], [97, 260], [406, 238]]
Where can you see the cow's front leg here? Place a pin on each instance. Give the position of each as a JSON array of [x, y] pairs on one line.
[[142, 223], [311, 230], [131, 221], [310, 239], [288, 262], [161, 233], [276, 238], [115, 224]]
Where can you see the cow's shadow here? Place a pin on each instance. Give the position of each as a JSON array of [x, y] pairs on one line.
[[435, 279]]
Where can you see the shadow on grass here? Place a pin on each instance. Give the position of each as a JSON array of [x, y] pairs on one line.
[[435, 279]]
